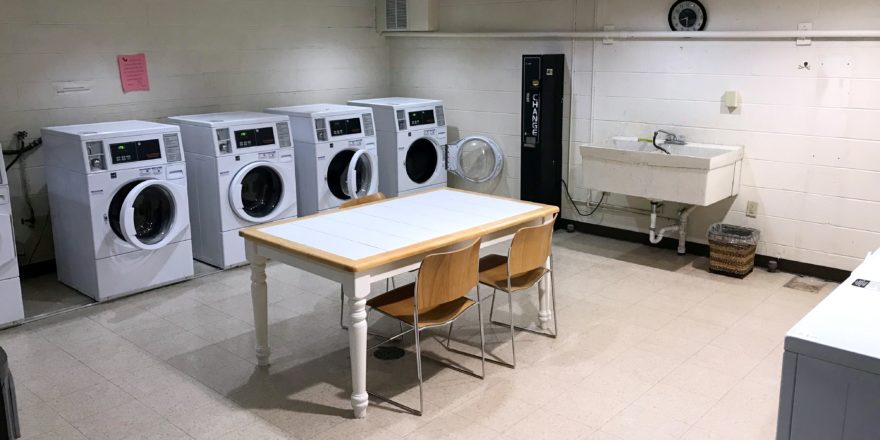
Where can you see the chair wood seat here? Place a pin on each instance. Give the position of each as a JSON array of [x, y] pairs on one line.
[[493, 273], [398, 304]]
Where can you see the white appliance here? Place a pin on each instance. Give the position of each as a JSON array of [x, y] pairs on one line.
[[11, 307], [413, 150], [831, 365], [241, 173], [120, 211], [336, 154]]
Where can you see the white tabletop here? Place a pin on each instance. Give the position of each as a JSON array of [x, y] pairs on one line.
[[373, 229], [844, 327]]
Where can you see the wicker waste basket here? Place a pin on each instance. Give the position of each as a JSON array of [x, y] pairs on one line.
[[732, 249]]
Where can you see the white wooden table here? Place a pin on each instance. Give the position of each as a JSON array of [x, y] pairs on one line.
[[371, 242]]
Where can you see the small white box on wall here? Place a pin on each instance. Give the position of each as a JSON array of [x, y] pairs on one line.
[[732, 99]]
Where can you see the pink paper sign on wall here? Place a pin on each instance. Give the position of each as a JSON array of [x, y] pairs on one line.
[[133, 72]]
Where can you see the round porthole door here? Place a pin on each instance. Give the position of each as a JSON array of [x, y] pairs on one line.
[[421, 160], [350, 174], [148, 214], [476, 159], [258, 192]]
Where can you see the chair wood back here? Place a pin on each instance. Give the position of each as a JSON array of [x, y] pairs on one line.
[[530, 248], [448, 276], [375, 197]]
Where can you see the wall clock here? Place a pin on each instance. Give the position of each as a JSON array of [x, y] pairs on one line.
[[687, 15]]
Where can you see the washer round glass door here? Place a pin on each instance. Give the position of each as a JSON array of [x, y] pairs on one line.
[[257, 191], [350, 174], [477, 159], [144, 213], [421, 160]]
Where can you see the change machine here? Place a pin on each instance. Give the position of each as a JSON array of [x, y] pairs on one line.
[[543, 77]]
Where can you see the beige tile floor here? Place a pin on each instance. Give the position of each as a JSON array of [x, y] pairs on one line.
[[651, 346]]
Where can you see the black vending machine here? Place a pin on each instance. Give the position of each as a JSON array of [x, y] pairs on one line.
[[543, 77]]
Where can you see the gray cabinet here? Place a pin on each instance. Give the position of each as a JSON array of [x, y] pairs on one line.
[[830, 401]]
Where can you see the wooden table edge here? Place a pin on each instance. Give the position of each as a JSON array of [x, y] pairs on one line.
[[254, 234]]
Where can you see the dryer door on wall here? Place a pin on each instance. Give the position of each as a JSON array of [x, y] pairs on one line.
[[149, 214], [421, 160], [350, 174], [258, 193], [476, 159]]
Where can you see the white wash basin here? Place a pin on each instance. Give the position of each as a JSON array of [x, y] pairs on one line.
[[694, 174]]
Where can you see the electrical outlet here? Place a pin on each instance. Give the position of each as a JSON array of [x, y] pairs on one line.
[[752, 209]]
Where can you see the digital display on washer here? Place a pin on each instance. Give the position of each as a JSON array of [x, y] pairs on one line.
[[135, 151], [255, 137], [423, 117], [343, 127]]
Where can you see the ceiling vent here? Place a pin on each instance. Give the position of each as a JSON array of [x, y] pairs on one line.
[[407, 15]]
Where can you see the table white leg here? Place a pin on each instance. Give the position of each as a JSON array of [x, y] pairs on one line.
[[259, 298], [544, 313], [358, 289]]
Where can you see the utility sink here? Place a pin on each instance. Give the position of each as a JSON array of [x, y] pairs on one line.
[[693, 174]]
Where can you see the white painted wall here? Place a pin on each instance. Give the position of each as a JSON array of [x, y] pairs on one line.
[[203, 56], [811, 136], [813, 157]]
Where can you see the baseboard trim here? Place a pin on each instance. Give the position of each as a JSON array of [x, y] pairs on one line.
[[702, 250]]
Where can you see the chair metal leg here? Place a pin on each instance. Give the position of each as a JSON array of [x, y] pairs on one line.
[[492, 306], [449, 335], [419, 368], [388, 339], [482, 334], [408, 409], [482, 357], [531, 330], [510, 311]]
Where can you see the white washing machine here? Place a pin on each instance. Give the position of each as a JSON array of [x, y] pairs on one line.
[[11, 307], [120, 211], [336, 154], [413, 150], [241, 173]]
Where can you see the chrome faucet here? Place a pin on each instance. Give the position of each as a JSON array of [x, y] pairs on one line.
[[668, 138]]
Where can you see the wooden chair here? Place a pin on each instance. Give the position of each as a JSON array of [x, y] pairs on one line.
[[375, 197], [438, 297], [529, 259]]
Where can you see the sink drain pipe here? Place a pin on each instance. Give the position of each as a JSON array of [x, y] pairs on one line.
[[656, 236]]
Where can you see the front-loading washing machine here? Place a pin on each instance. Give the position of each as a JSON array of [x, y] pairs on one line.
[[119, 206], [241, 173], [413, 150], [336, 154], [11, 307]]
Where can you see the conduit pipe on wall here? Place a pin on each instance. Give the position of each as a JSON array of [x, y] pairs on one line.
[[655, 35]]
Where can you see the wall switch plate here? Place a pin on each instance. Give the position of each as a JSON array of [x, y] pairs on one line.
[[752, 209]]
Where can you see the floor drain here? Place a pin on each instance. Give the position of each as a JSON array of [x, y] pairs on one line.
[[388, 353], [806, 284]]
